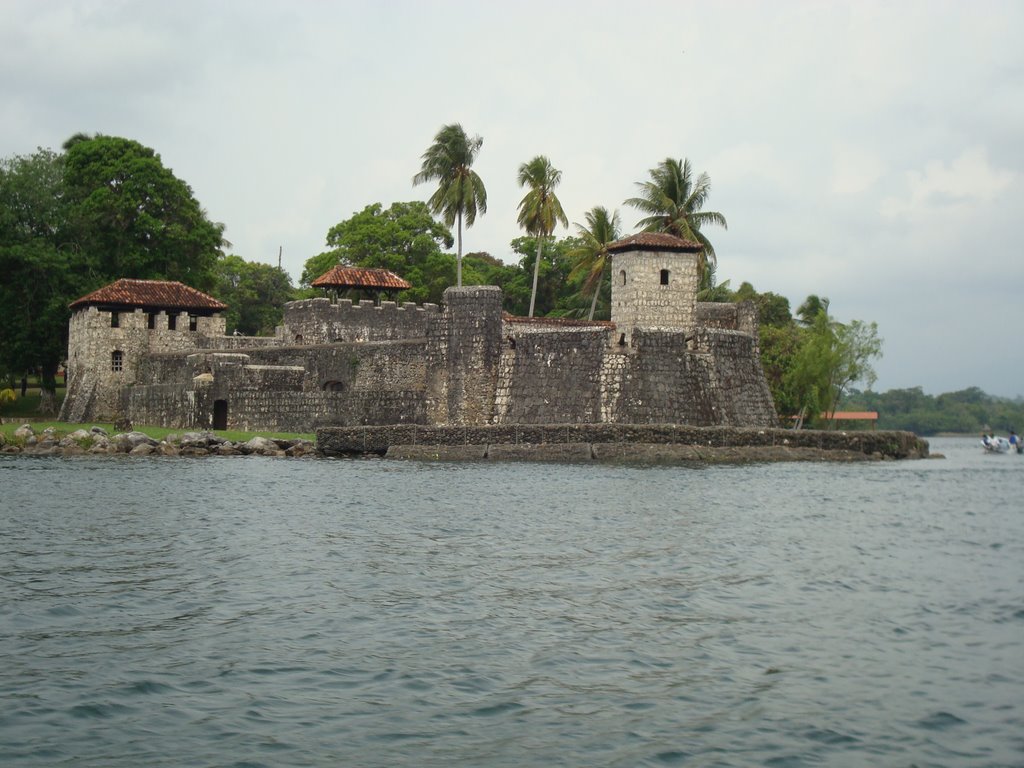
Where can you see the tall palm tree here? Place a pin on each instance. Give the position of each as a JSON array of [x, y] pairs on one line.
[[460, 192], [540, 210], [673, 200], [591, 257]]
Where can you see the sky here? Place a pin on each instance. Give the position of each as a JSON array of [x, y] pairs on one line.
[[868, 152]]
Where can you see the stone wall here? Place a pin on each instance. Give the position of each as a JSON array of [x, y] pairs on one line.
[[290, 389], [741, 393], [619, 442], [417, 365], [463, 354], [94, 387], [318, 321], [551, 375], [639, 299], [726, 316]]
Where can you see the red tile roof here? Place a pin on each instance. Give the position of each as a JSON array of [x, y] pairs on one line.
[[654, 241], [150, 294], [357, 277]]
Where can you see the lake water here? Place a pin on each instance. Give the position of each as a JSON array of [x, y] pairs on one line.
[[272, 612]]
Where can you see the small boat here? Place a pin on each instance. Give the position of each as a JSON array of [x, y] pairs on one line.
[[993, 444]]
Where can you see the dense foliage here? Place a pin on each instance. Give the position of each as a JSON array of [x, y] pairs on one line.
[[969, 411], [255, 294], [71, 222]]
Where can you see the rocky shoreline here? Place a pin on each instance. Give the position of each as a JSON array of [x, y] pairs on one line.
[[97, 442]]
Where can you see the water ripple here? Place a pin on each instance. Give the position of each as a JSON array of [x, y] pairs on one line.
[[381, 614]]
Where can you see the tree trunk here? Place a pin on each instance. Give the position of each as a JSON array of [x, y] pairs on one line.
[[593, 303], [536, 271], [458, 259]]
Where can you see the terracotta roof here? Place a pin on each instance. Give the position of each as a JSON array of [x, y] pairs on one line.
[[654, 241], [357, 277], [155, 294]]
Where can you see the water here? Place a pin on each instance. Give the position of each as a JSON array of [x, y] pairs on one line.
[[268, 612]]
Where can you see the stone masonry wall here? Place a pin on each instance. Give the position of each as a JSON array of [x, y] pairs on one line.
[[292, 389], [640, 300], [551, 376], [463, 354], [94, 386], [742, 395], [318, 321]]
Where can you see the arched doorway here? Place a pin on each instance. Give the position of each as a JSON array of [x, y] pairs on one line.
[[220, 414]]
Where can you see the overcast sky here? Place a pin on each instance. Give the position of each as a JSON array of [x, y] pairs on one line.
[[872, 153]]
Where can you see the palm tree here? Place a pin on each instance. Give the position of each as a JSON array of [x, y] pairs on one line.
[[460, 192], [591, 257], [540, 210], [673, 200], [813, 306]]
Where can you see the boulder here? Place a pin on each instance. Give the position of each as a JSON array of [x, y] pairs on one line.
[[167, 449], [260, 445], [24, 432], [78, 437]]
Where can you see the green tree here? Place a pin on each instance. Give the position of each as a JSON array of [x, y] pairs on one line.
[[555, 295], [539, 210], [460, 192], [831, 357], [811, 307], [673, 202], [404, 238], [590, 259], [42, 270], [133, 217], [255, 294]]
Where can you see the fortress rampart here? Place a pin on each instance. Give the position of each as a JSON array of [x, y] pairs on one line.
[[663, 359]]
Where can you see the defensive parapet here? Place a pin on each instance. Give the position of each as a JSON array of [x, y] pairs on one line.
[[318, 321], [727, 316]]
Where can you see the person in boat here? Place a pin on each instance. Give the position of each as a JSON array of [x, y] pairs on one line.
[[1014, 440]]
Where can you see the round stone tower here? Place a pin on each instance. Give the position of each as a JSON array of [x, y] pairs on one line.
[[654, 283]]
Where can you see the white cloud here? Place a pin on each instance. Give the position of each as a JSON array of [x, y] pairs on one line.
[[953, 187]]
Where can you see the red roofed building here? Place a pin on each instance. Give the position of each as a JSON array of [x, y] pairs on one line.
[[114, 327], [361, 280], [153, 295]]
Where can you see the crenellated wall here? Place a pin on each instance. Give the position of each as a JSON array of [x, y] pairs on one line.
[[318, 321]]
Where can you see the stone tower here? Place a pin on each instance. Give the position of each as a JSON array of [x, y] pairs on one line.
[[654, 283], [112, 328]]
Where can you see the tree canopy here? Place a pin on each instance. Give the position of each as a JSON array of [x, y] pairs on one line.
[[255, 294], [404, 238], [72, 222], [460, 193], [133, 217]]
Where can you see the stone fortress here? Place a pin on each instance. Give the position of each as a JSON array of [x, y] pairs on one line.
[[152, 352]]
